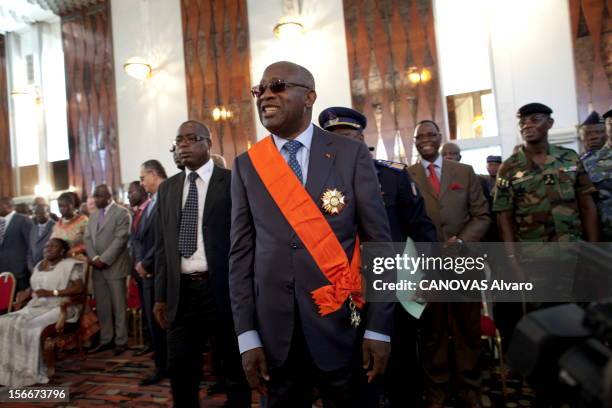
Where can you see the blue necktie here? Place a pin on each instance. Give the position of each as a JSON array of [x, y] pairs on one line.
[[292, 147], [188, 232]]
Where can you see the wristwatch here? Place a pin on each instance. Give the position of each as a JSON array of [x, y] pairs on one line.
[[55, 292]]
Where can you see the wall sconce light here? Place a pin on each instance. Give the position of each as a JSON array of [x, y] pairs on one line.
[[43, 189], [415, 76], [138, 68], [425, 75], [31, 91], [221, 113], [288, 28]]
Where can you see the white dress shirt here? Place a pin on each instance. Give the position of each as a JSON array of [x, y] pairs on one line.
[[197, 262], [250, 339], [303, 154], [438, 166]]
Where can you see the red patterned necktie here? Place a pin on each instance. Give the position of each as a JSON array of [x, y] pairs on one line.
[[433, 178]]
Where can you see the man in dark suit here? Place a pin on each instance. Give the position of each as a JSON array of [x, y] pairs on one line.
[[152, 174], [14, 243], [407, 218], [456, 205], [191, 272], [41, 231], [139, 199], [273, 270]]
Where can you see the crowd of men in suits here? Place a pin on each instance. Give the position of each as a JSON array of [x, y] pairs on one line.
[[258, 262]]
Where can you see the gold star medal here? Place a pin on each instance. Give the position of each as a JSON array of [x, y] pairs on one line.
[[333, 201]]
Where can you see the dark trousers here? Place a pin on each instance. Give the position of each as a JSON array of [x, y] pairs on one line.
[[404, 376], [158, 335], [292, 384], [187, 335], [224, 346], [443, 360], [145, 323]]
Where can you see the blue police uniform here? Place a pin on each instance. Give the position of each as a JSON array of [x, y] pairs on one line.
[[403, 202]]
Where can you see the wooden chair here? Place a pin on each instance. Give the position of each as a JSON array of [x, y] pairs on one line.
[[490, 332], [7, 291], [62, 335], [134, 310]]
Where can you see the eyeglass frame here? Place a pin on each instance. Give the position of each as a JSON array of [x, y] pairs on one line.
[[188, 139], [257, 92]]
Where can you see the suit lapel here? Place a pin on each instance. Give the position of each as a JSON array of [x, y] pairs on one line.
[[145, 222], [446, 171], [45, 233], [109, 213], [176, 190], [214, 187], [421, 179], [322, 156]]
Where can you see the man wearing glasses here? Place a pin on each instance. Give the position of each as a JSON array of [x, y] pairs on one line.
[[192, 247], [456, 205], [299, 197]]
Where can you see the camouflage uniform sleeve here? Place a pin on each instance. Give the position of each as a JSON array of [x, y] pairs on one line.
[[583, 182], [504, 196]]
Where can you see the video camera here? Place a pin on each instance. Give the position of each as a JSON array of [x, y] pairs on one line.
[[564, 353]]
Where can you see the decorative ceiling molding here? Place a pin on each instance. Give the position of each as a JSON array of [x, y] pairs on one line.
[[61, 7], [17, 14]]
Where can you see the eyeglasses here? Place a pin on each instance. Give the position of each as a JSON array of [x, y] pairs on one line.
[[277, 86], [426, 136], [188, 139]]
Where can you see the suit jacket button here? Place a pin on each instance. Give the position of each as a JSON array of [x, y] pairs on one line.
[[294, 246]]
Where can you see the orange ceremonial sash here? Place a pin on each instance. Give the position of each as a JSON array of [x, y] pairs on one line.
[[310, 225]]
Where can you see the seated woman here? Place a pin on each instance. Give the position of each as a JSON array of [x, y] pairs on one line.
[[53, 280], [71, 227]]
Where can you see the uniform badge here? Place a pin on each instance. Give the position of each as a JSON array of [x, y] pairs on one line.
[[333, 201], [549, 179]]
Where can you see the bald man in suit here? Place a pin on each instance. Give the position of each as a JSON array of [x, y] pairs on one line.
[[455, 203]]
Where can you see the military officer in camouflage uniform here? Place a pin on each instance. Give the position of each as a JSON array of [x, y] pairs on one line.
[[599, 167], [543, 191], [407, 217], [543, 194]]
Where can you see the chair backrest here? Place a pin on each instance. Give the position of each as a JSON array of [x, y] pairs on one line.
[[133, 299], [7, 291]]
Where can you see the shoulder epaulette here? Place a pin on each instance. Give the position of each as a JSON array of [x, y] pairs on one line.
[[390, 164]]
